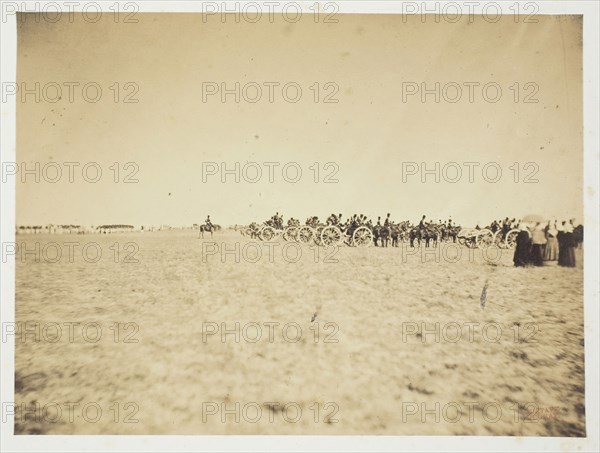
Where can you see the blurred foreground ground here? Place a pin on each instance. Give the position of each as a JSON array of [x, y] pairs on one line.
[[352, 341]]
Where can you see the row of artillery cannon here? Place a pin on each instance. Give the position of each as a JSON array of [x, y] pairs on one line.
[[365, 234]]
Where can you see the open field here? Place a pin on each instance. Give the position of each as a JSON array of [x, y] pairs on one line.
[[513, 367]]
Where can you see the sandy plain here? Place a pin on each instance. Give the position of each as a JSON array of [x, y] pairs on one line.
[[352, 341]]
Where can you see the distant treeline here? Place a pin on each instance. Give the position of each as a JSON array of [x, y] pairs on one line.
[[108, 228], [46, 227], [118, 227]]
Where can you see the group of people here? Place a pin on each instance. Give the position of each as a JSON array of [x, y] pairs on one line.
[[276, 221], [383, 228], [547, 242], [398, 231], [536, 243]]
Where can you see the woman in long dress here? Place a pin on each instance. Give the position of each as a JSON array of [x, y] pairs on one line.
[[551, 250], [566, 247], [522, 250]]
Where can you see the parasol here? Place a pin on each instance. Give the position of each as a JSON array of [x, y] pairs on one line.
[[534, 218]]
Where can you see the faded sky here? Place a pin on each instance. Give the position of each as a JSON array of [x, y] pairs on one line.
[[369, 133]]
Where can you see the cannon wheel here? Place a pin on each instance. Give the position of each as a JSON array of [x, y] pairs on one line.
[[485, 238], [305, 234], [498, 239], [290, 233], [267, 233], [464, 237], [331, 236], [362, 237], [511, 239]]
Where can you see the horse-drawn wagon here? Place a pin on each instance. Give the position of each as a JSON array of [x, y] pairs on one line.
[[475, 238], [316, 233], [333, 235]]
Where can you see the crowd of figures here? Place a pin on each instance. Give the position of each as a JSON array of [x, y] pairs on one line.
[[547, 242], [385, 232], [74, 229], [359, 230], [102, 229]]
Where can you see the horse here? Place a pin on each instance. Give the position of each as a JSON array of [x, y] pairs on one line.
[[427, 234], [206, 228], [376, 234], [400, 233], [384, 233], [415, 233], [452, 233], [431, 233]]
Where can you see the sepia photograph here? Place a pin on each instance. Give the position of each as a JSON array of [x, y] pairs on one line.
[[300, 219]]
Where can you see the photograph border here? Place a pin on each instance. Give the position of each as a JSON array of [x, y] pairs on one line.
[[159, 443]]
